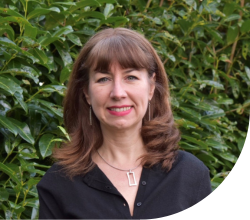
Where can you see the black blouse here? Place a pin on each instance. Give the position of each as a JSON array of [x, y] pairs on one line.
[[93, 196]]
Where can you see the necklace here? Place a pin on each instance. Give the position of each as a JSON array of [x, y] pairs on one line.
[[129, 172]]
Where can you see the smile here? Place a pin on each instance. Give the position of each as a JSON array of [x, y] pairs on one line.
[[120, 109]]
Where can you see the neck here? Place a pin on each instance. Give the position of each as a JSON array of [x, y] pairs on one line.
[[122, 148]]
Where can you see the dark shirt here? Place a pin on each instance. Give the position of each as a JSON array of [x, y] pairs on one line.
[[93, 196]]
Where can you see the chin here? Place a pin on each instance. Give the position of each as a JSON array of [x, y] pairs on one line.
[[121, 125], [124, 125]]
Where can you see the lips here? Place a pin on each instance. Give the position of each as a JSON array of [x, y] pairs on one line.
[[120, 110]]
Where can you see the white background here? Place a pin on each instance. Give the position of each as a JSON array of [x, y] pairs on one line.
[[231, 200]]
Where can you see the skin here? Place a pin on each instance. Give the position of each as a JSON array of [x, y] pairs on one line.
[[122, 145]]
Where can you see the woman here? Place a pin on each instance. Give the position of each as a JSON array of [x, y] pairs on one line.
[[123, 159]]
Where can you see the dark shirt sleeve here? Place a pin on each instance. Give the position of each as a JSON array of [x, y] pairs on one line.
[[205, 186], [49, 208], [49, 196]]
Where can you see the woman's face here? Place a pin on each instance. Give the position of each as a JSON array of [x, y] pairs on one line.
[[119, 97]]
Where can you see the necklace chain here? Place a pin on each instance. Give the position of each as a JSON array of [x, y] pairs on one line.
[[116, 167]]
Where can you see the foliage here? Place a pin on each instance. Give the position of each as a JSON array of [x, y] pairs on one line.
[[205, 46]]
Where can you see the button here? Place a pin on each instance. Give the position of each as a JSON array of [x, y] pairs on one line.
[[124, 204], [143, 183], [139, 204], [108, 187]]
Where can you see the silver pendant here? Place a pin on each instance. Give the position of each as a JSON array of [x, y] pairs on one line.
[[134, 180]]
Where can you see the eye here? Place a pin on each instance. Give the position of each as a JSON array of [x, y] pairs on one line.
[[102, 80], [131, 78]]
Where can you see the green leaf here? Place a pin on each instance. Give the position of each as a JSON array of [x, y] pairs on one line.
[[240, 143], [18, 208], [228, 156], [23, 130], [67, 60], [232, 17], [8, 43], [74, 39], [6, 168], [30, 31], [6, 28], [45, 41], [24, 71], [232, 34], [212, 83], [63, 31], [19, 98], [32, 182], [8, 11], [92, 14], [64, 132], [34, 203], [245, 27], [191, 112], [39, 54], [4, 195], [51, 106], [185, 24], [4, 121], [54, 88], [42, 11], [245, 49], [186, 124], [216, 35], [247, 69], [35, 122], [217, 145], [206, 156], [46, 144], [195, 141], [166, 35], [10, 86], [246, 103], [65, 73], [229, 8], [53, 20], [188, 146], [224, 58], [20, 20], [225, 101], [115, 19], [84, 3], [107, 10], [27, 151], [64, 3], [4, 107]]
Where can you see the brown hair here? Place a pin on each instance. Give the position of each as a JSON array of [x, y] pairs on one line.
[[131, 50]]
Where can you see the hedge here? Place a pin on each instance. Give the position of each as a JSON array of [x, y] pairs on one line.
[[204, 45]]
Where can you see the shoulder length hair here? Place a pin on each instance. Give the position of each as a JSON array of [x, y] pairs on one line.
[[130, 50]]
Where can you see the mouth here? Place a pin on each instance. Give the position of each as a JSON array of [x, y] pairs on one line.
[[120, 109]]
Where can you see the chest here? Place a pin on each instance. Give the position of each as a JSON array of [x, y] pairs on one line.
[[127, 183]]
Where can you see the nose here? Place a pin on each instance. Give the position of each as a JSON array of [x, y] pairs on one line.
[[118, 91]]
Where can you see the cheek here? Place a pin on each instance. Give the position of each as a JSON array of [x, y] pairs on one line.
[[98, 96]]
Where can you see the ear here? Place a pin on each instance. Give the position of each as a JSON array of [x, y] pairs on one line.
[[152, 86], [86, 93]]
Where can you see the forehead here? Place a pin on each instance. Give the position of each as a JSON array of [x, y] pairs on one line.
[[124, 52]]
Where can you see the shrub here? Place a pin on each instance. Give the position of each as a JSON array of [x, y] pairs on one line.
[[205, 48]]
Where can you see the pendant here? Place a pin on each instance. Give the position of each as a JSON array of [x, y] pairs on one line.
[[130, 173]]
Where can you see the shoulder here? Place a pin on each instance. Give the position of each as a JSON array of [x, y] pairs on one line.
[[184, 158], [189, 164], [53, 177]]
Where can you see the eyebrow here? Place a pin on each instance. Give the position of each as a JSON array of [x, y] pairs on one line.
[[108, 72]]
